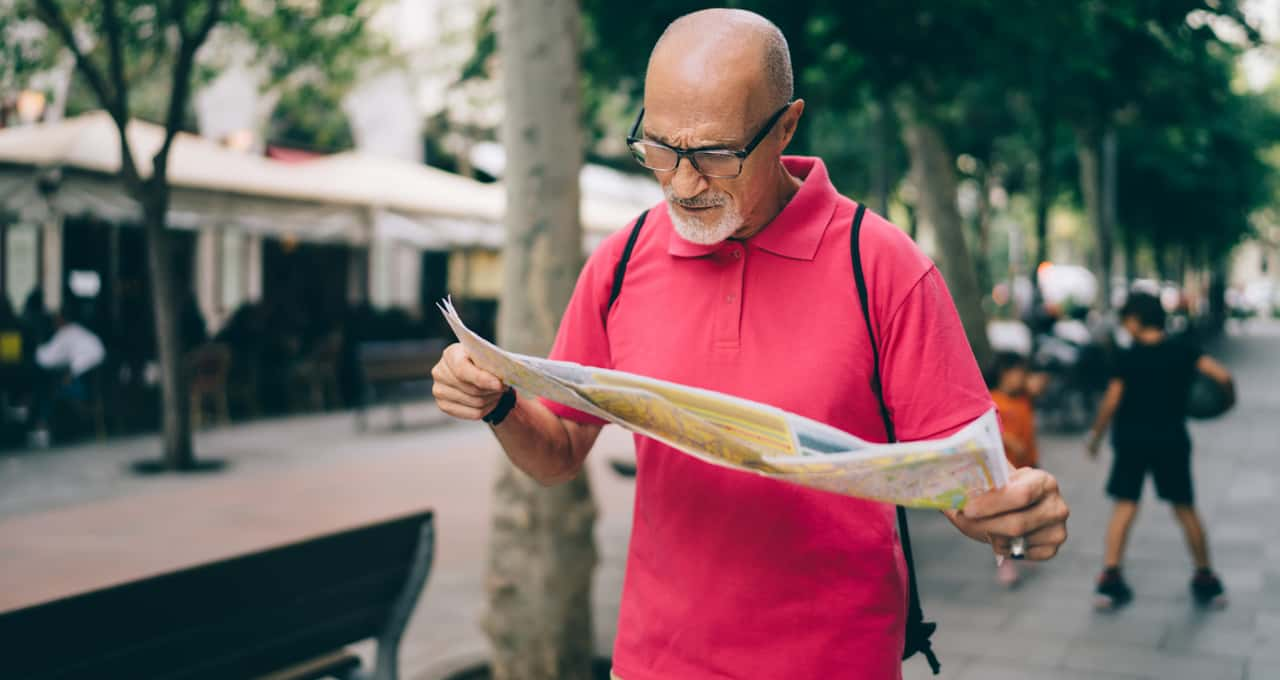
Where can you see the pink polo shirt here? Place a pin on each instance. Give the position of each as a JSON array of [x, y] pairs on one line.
[[731, 575]]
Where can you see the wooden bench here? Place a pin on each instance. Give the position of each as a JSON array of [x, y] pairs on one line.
[[283, 613], [394, 371]]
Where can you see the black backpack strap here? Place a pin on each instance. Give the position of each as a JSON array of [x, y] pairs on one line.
[[918, 630], [620, 270]]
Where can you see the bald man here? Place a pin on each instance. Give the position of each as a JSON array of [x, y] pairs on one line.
[[741, 282]]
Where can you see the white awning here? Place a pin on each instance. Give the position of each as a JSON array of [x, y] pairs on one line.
[[347, 196]]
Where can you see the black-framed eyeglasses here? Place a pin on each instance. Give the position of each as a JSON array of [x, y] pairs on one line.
[[716, 162]]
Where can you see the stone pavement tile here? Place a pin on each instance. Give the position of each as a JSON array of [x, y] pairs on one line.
[[997, 670], [1270, 597], [1212, 638], [1047, 650], [1264, 666], [953, 667], [1267, 624], [950, 615], [1256, 486], [1236, 552], [1235, 527], [1102, 657], [1075, 620], [1240, 613]]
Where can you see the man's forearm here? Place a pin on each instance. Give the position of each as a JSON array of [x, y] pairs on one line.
[[1105, 413], [537, 442]]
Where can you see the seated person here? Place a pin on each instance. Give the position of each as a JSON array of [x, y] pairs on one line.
[[64, 360]]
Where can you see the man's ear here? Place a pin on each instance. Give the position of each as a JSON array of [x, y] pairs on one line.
[[790, 121]]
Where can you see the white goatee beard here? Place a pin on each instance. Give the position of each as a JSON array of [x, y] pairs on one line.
[[700, 231]]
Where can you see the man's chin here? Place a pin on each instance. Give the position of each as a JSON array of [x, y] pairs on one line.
[[703, 236]]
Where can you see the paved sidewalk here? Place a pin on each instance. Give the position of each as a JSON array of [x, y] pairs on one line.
[[1046, 629], [73, 518]]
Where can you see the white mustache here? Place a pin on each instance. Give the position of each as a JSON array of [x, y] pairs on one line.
[[696, 202]]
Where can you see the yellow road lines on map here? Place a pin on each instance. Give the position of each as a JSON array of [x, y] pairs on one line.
[[764, 428]]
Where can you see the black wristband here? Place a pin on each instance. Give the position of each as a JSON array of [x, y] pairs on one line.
[[505, 404]]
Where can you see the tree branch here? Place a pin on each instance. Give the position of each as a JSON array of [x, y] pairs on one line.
[[210, 20], [177, 11], [112, 99], [51, 15], [179, 94], [111, 26]]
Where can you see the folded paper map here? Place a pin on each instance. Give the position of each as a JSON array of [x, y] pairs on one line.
[[757, 438]]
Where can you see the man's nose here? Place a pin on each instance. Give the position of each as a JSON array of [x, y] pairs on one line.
[[688, 182]]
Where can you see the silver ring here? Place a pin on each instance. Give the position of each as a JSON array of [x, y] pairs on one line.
[[1018, 547]]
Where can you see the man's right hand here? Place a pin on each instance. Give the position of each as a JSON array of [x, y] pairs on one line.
[[1093, 443], [463, 389]]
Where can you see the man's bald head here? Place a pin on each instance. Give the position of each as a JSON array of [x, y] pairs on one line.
[[720, 80], [732, 37]]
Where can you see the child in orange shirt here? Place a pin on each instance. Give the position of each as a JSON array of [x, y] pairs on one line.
[[1012, 388]]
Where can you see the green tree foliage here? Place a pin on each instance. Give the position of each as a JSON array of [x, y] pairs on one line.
[[122, 48], [1016, 84]]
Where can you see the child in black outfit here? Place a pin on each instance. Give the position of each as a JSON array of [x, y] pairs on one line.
[[1147, 397]]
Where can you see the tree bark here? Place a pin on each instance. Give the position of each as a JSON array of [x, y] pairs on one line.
[[542, 551], [880, 156], [1044, 192], [1094, 164], [1130, 256], [178, 453], [982, 231], [1106, 231], [1218, 295], [933, 174]]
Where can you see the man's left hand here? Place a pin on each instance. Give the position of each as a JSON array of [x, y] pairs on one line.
[[1030, 505]]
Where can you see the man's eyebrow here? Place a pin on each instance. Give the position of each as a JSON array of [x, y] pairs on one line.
[[713, 143]]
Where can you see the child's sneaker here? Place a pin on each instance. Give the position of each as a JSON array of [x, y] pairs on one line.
[[1207, 590], [1112, 592]]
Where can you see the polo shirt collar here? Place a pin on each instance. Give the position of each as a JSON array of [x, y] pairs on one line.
[[797, 231]]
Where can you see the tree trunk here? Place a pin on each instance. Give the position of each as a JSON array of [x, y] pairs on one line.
[[880, 156], [542, 551], [1044, 194], [982, 231], [935, 180], [178, 453], [1218, 295], [1130, 257], [1106, 230], [1090, 153]]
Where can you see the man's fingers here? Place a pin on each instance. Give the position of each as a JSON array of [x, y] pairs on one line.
[[1040, 553], [1046, 513], [448, 393], [1025, 488], [1053, 536], [442, 374], [466, 375], [459, 411]]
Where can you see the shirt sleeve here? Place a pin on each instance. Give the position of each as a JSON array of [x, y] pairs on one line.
[[1118, 364], [932, 383], [582, 337], [54, 353], [1193, 353]]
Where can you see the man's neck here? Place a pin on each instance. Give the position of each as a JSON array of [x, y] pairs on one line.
[[785, 186]]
